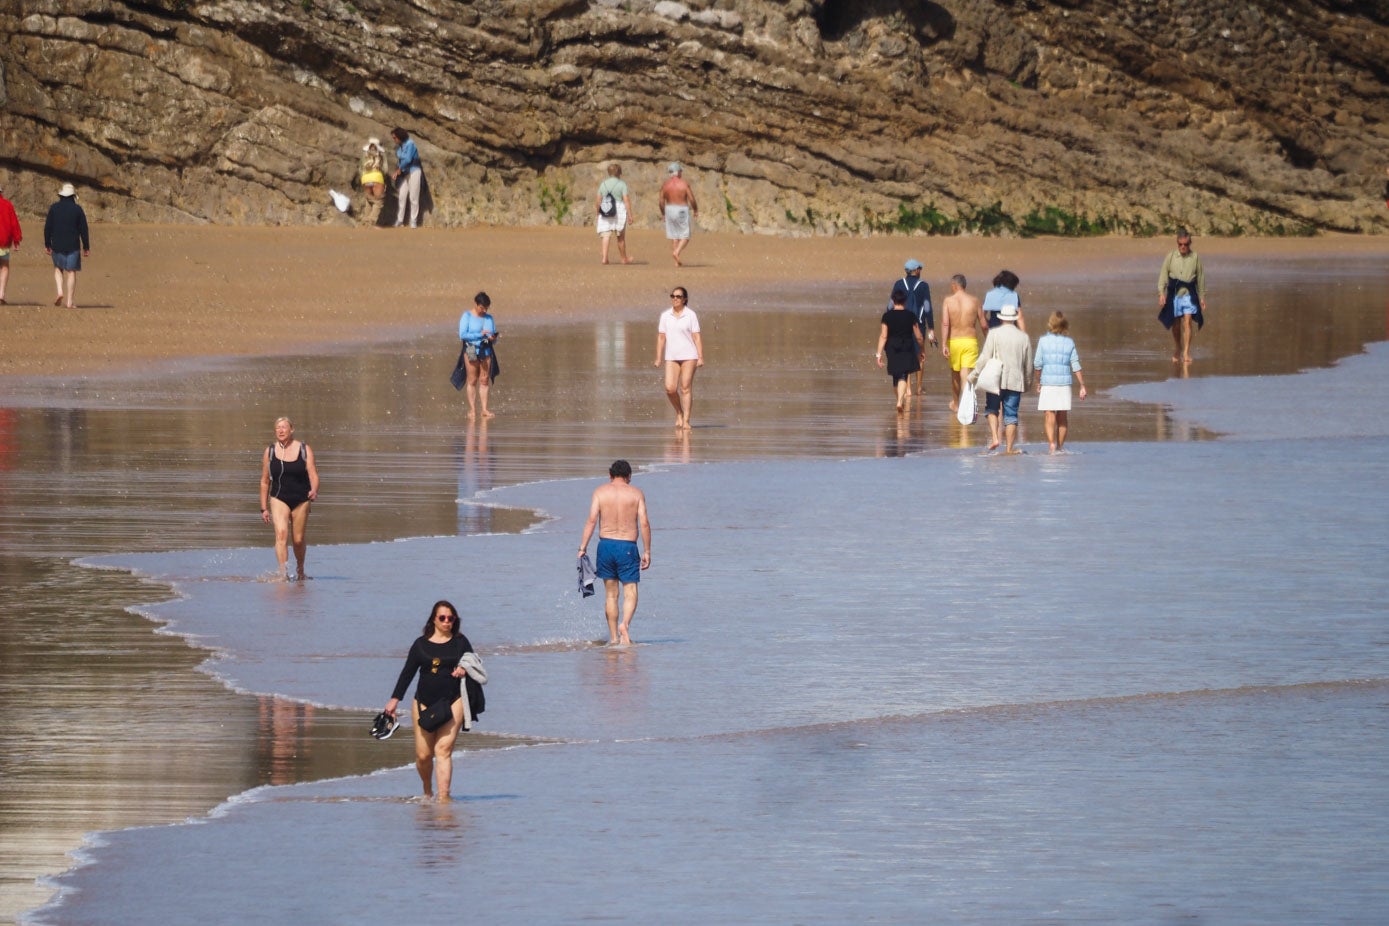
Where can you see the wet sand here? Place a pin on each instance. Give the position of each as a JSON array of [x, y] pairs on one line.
[[117, 434], [152, 294]]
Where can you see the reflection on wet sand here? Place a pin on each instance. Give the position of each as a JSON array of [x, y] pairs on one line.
[[161, 462]]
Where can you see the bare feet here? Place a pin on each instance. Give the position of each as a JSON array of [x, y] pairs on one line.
[[954, 406], [59, 301], [622, 636], [991, 448], [627, 260], [487, 414], [679, 422]]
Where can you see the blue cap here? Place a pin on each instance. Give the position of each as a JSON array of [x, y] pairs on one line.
[[913, 264]]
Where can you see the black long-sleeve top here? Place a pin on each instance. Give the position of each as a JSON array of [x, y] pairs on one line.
[[435, 663], [65, 229]]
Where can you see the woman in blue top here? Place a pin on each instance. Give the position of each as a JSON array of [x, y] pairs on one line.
[[409, 176], [478, 331], [1005, 292], [1057, 360]]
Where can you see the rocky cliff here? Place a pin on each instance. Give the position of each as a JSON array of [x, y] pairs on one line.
[[992, 116]]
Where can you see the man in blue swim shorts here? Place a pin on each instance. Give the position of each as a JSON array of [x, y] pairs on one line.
[[618, 512]]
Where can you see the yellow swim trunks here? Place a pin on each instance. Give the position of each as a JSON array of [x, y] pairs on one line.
[[964, 352]]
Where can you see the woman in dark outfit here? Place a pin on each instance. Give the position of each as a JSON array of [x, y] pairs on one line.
[[435, 656], [288, 483], [900, 338]]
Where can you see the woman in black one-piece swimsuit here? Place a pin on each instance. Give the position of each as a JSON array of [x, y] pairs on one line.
[[288, 483]]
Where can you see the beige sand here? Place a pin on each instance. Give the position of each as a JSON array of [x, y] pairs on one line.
[[153, 293]]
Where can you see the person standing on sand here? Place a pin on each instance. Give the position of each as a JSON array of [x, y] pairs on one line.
[[372, 176], [618, 511], [678, 209], [1057, 362], [435, 657], [1010, 345], [962, 318], [612, 194], [1182, 295], [65, 240], [409, 178], [478, 332], [288, 485], [918, 293], [900, 338], [1004, 293], [681, 349], [10, 237]]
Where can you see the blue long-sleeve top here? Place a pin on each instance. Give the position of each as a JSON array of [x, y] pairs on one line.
[[407, 157], [472, 328], [1056, 357]]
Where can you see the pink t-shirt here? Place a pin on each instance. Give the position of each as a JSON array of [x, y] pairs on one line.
[[680, 332]]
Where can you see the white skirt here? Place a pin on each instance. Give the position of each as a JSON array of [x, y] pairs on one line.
[[1054, 399]]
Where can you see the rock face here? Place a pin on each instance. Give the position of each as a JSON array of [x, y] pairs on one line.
[[847, 116]]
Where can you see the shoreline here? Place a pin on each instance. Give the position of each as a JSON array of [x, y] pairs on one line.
[[155, 295], [777, 262]]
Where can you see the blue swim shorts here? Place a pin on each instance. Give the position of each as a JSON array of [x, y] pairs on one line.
[[67, 260], [618, 559], [1182, 305]]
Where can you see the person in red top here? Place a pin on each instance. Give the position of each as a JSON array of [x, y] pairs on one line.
[[10, 237]]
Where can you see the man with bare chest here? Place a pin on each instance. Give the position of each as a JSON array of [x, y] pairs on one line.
[[679, 209], [962, 318], [618, 511]]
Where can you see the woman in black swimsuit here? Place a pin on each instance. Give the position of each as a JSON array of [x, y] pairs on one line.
[[435, 656], [288, 483]]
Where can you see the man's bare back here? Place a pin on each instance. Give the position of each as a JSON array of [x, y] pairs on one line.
[[676, 192], [964, 316], [620, 507], [621, 510]]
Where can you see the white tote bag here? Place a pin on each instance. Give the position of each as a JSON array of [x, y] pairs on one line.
[[990, 378]]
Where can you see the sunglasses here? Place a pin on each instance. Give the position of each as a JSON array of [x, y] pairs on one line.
[[677, 296], [446, 618]]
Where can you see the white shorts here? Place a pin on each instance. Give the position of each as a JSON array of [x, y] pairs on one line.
[[613, 225], [1054, 399]]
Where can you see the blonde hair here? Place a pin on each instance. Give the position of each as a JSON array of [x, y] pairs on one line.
[[1057, 324]]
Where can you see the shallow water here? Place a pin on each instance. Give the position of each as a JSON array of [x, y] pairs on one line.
[[870, 596]]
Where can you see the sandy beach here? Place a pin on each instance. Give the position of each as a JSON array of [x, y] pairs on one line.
[[156, 301], [151, 295]]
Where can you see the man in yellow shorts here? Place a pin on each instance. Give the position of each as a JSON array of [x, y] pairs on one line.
[[962, 319]]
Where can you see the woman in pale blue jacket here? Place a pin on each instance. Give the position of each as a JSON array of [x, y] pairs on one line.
[[1057, 361], [478, 332]]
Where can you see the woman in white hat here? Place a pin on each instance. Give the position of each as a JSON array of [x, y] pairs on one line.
[[373, 179], [65, 239]]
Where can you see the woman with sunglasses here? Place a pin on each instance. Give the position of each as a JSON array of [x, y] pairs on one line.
[[435, 657], [679, 347]]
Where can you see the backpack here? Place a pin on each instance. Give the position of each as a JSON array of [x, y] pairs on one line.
[[607, 208]]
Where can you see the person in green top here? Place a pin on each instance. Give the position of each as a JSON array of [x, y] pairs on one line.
[[613, 207], [1182, 295]]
